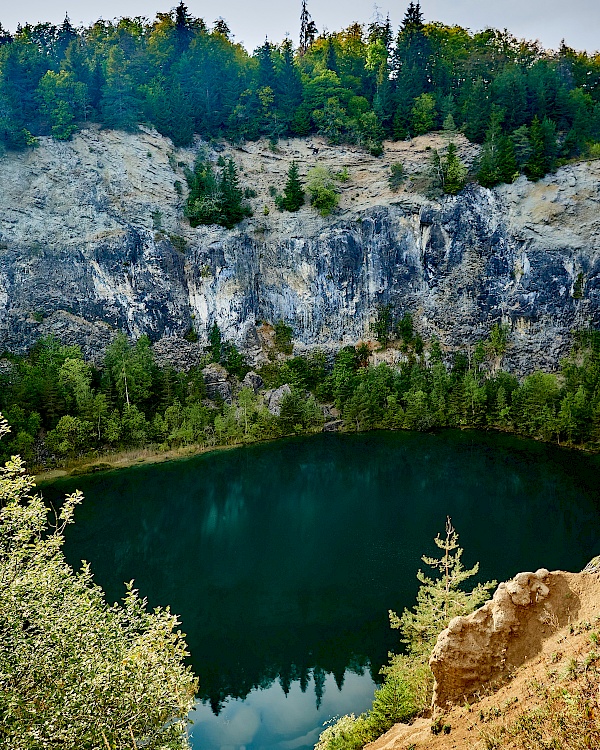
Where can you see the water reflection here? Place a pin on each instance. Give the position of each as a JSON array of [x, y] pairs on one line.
[[273, 719]]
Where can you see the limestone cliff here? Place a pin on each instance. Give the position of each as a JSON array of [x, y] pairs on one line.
[[93, 239]]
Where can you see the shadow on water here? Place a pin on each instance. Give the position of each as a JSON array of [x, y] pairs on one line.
[[283, 558]]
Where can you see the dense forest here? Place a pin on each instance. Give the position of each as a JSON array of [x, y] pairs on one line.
[[528, 106], [61, 408]]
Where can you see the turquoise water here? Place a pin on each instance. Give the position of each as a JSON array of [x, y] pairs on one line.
[[283, 559]]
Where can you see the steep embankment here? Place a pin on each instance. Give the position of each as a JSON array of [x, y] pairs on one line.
[[93, 239], [521, 672]]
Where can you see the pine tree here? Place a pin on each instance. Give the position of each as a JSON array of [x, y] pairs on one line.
[[308, 30], [293, 194], [232, 206], [441, 598]]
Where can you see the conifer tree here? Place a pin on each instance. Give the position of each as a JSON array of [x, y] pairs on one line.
[[508, 169], [232, 206], [441, 598], [489, 166], [542, 137], [215, 342], [448, 172], [308, 29], [293, 194]]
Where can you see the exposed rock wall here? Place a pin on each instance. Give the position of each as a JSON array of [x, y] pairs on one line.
[[93, 239]]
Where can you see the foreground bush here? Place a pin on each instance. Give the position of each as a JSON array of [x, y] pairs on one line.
[[75, 672]]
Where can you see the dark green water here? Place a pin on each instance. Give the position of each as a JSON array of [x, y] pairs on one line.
[[283, 559]]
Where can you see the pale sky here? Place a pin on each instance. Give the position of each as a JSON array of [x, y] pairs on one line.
[[577, 21]]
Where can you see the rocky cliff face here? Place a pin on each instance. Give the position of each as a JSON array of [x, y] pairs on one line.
[[93, 239]]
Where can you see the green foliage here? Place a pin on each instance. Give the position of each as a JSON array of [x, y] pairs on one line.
[[215, 199], [544, 148], [215, 342], [447, 171], [423, 114], [441, 598], [119, 677], [408, 681], [293, 194], [322, 190], [62, 100], [382, 326], [397, 176], [130, 368], [356, 85], [284, 335], [61, 408]]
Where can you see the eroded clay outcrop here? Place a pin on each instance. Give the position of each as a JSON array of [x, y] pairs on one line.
[[476, 650]]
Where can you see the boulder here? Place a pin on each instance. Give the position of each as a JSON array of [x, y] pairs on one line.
[[333, 426], [253, 381], [217, 383], [274, 397]]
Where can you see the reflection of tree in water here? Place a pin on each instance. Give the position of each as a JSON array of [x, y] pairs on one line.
[[319, 677], [218, 685]]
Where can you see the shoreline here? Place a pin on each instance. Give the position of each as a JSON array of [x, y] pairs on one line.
[[149, 455], [127, 459]]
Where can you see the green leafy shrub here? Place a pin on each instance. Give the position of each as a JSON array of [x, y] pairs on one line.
[[283, 337], [118, 678], [322, 190]]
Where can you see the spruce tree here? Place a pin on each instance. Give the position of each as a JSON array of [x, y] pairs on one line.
[[542, 136], [508, 169], [441, 598], [215, 342], [293, 194], [448, 172], [308, 30], [489, 172], [232, 206]]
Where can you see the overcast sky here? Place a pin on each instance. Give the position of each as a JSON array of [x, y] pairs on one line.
[[577, 21]]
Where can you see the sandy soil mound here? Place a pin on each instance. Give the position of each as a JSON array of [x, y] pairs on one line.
[[544, 686]]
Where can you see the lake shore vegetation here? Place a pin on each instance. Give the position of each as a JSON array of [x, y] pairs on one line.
[[64, 411]]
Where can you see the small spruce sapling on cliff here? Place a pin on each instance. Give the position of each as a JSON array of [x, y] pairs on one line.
[[441, 598]]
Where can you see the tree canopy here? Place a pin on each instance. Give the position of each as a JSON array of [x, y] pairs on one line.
[[357, 85]]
